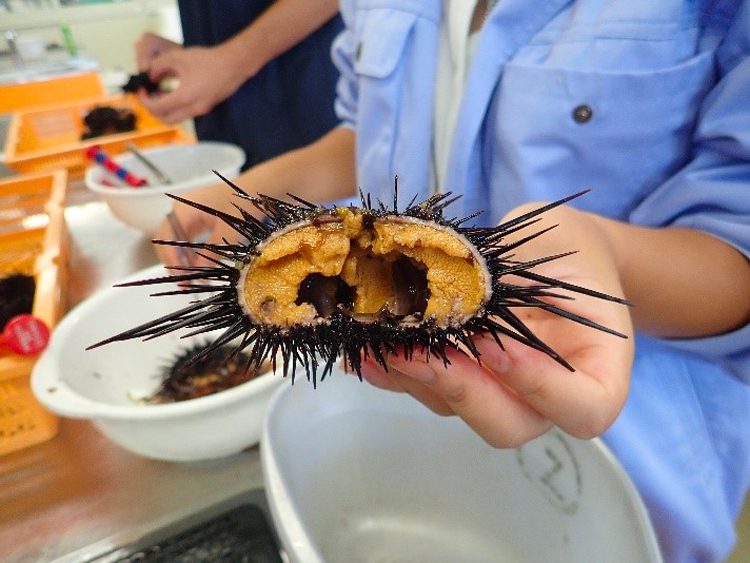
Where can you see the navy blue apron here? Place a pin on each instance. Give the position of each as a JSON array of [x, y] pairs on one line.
[[288, 104]]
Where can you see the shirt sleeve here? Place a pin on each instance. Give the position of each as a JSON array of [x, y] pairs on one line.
[[712, 192], [343, 51]]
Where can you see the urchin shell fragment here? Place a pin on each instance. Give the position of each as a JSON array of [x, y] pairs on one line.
[[311, 284]]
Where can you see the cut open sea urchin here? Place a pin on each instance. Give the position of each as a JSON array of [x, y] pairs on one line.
[[311, 284]]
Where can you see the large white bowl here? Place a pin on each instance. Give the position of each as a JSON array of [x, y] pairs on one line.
[[189, 166], [353, 473], [104, 384]]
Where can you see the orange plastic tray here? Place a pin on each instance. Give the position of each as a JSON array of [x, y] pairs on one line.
[[34, 243], [44, 139]]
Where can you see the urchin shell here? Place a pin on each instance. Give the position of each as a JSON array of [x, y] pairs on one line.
[[315, 345]]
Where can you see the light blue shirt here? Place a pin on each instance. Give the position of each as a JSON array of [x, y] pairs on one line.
[[667, 143]]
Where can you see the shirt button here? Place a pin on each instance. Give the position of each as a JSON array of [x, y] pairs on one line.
[[583, 113]]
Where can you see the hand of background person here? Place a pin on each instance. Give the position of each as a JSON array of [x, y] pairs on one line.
[[149, 46], [209, 75], [206, 76], [198, 225], [516, 394]]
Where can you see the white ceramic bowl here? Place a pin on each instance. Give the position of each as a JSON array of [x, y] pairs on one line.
[[188, 166], [353, 473], [104, 384]]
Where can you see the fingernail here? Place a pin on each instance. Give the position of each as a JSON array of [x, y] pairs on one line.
[[420, 371], [493, 356]]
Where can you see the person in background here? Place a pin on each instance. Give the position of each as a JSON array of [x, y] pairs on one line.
[[522, 101], [257, 74]]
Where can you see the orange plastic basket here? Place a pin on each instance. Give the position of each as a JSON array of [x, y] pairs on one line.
[[44, 139], [32, 241], [82, 86]]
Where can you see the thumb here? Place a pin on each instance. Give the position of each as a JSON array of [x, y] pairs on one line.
[[142, 60]]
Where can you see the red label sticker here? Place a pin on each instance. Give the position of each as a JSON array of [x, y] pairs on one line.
[[26, 335]]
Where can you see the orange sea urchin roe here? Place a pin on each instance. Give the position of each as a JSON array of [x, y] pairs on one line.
[[363, 257]]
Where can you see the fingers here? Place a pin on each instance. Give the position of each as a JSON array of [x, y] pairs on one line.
[[170, 108], [148, 47], [393, 380], [142, 59], [198, 225], [194, 225], [584, 402], [173, 255], [376, 376], [473, 393], [518, 393], [144, 51], [167, 254], [213, 231], [191, 98], [168, 64]]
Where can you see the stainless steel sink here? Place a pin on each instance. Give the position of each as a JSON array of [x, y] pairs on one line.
[[235, 530]]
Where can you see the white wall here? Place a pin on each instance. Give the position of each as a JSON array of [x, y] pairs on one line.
[[104, 31]]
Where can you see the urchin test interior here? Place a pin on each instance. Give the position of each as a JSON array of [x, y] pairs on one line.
[[409, 287], [371, 267]]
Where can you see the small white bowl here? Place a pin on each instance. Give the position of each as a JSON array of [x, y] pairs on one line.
[[104, 384], [188, 166], [353, 473]]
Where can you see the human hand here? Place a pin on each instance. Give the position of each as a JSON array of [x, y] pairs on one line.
[[197, 225], [149, 46], [206, 76], [517, 394]]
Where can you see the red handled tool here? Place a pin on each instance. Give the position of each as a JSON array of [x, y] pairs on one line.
[[97, 154]]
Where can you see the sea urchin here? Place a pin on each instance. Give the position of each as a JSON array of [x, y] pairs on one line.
[[312, 283], [185, 378]]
